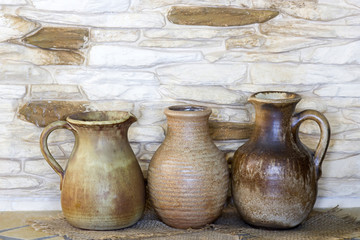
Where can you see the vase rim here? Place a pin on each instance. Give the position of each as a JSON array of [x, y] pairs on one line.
[[187, 111], [275, 97], [93, 118]]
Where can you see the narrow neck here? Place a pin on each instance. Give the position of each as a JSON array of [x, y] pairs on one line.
[[273, 122], [189, 129]]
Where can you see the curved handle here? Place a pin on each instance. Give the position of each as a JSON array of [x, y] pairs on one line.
[[45, 150], [323, 144]]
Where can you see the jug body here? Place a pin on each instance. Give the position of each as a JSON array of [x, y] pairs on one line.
[[102, 187], [188, 175], [274, 176]]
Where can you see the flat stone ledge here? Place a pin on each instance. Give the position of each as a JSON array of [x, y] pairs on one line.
[[218, 16]]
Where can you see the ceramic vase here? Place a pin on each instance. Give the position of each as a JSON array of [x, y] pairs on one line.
[[102, 187], [188, 175], [274, 176]]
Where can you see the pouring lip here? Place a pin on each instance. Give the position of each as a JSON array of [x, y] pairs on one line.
[[92, 118], [275, 97], [187, 111]]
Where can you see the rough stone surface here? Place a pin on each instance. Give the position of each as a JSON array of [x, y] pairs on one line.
[[13, 2], [146, 134], [310, 10], [7, 109], [88, 76], [202, 74], [54, 37], [210, 94], [42, 168], [272, 44], [110, 20], [179, 43], [294, 27], [120, 92], [218, 16], [14, 27], [153, 112], [9, 167], [12, 91], [41, 113], [55, 92], [21, 182], [114, 35], [14, 72], [153, 4], [104, 55], [302, 73], [87, 6], [40, 56], [196, 33]]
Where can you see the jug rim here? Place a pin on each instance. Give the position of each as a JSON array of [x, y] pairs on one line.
[[275, 97], [91, 118], [189, 110]]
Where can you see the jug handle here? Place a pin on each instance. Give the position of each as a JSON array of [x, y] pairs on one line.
[[320, 119], [45, 150]]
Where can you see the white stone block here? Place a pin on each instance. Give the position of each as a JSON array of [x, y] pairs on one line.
[[86, 75], [197, 33], [107, 20], [120, 92], [202, 74], [246, 56], [289, 73], [339, 90], [13, 2], [208, 94], [352, 114], [12, 27], [10, 167], [310, 10], [152, 147], [345, 166], [87, 6], [113, 105], [289, 26], [336, 145], [146, 134], [226, 114], [18, 72], [180, 44], [136, 147], [333, 187], [36, 56], [346, 53], [114, 35], [152, 4], [153, 112], [8, 110], [272, 44], [14, 182], [252, 88], [122, 56], [229, 146], [12, 91], [66, 92], [355, 3], [42, 168]]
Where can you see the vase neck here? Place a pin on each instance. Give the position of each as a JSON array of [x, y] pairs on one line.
[[188, 128], [273, 122]]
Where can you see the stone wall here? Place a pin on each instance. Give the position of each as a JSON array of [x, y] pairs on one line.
[[61, 56]]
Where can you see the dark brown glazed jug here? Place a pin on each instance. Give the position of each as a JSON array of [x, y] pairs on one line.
[[274, 176], [102, 187], [188, 175]]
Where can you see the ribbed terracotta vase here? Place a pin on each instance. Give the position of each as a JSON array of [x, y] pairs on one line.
[[102, 187], [274, 176], [188, 175]]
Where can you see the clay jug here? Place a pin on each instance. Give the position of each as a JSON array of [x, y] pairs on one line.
[[274, 176], [188, 175], [102, 187]]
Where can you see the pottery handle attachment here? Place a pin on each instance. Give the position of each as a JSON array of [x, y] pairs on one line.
[[323, 144], [45, 150]]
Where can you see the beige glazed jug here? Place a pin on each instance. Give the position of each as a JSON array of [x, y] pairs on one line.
[[188, 175], [102, 187], [274, 176]]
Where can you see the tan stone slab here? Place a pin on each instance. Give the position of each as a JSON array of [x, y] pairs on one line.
[[41, 113], [230, 130], [54, 37], [218, 16]]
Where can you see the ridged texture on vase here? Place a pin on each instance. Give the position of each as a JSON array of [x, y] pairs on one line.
[[188, 176]]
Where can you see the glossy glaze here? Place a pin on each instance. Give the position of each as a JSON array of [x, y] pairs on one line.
[[102, 185], [274, 176], [188, 175]]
